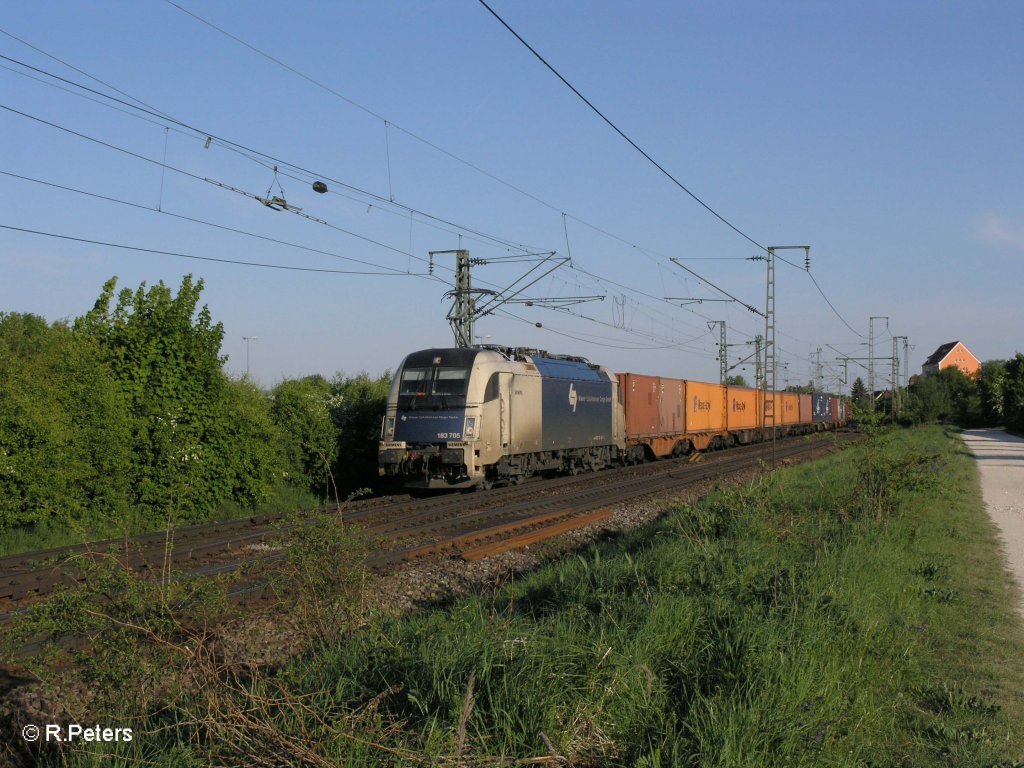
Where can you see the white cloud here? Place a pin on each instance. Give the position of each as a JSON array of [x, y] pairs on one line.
[[1001, 232]]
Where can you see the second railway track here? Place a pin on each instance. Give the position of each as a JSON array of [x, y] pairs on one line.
[[399, 528]]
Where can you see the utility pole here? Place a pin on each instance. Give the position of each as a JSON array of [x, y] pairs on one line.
[[247, 340], [818, 383], [758, 370], [462, 313], [906, 361], [769, 350], [871, 357], [895, 376], [846, 368], [770, 371], [723, 358], [900, 387], [465, 308]]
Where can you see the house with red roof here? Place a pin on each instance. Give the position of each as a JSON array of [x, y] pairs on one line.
[[951, 354]]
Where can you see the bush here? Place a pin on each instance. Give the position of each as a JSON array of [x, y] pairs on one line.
[[64, 430], [357, 409], [302, 410]]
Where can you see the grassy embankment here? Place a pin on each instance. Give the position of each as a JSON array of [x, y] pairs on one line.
[[850, 612], [46, 535]]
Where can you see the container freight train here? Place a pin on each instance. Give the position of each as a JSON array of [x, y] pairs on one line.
[[459, 418]]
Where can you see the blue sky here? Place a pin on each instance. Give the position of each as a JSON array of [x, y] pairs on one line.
[[884, 135]]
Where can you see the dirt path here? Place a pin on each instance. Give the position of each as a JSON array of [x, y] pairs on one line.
[[1001, 465]]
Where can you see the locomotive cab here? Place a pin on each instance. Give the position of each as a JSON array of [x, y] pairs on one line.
[[444, 418], [458, 418]]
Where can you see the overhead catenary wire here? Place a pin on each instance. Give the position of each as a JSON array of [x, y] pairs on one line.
[[189, 174], [224, 227], [196, 177], [175, 169], [604, 342], [177, 254], [267, 160], [655, 163], [389, 123], [392, 124], [252, 155], [619, 131], [256, 156], [820, 291], [71, 66], [130, 113]]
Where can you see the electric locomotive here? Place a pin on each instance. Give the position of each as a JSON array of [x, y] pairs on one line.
[[465, 417]]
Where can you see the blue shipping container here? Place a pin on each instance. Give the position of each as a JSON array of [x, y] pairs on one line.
[[577, 404], [821, 407]]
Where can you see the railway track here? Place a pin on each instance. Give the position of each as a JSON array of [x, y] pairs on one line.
[[401, 529]]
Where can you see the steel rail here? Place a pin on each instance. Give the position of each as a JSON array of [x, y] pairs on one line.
[[408, 528]]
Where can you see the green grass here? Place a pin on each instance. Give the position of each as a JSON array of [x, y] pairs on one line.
[[850, 612], [45, 536]]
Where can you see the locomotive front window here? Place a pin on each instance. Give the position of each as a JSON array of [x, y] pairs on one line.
[[415, 381], [451, 381], [434, 387]]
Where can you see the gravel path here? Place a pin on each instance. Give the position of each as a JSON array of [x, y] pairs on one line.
[[1001, 464]]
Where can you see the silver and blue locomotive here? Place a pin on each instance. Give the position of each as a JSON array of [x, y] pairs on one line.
[[458, 418]]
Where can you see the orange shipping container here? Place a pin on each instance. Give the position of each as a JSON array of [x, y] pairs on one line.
[[744, 408], [672, 418], [705, 407], [790, 413], [640, 395], [806, 411]]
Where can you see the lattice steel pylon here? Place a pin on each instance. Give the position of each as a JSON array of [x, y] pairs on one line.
[[723, 358], [463, 311], [770, 368], [769, 346], [758, 364], [871, 356]]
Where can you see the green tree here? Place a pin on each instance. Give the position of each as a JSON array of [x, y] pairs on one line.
[[928, 400], [1013, 393], [190, 452], [963, 395], [64, 429], [250, 445], [858, 391], [302, 409], [949, 395], [991, 386], [736, 381]]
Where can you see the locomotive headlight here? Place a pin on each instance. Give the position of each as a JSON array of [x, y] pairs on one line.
[[389, 427], [470, 427]]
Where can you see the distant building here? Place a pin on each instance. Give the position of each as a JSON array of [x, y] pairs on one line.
[[952, 354]]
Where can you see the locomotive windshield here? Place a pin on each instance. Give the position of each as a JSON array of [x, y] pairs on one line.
[[434, 387]]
